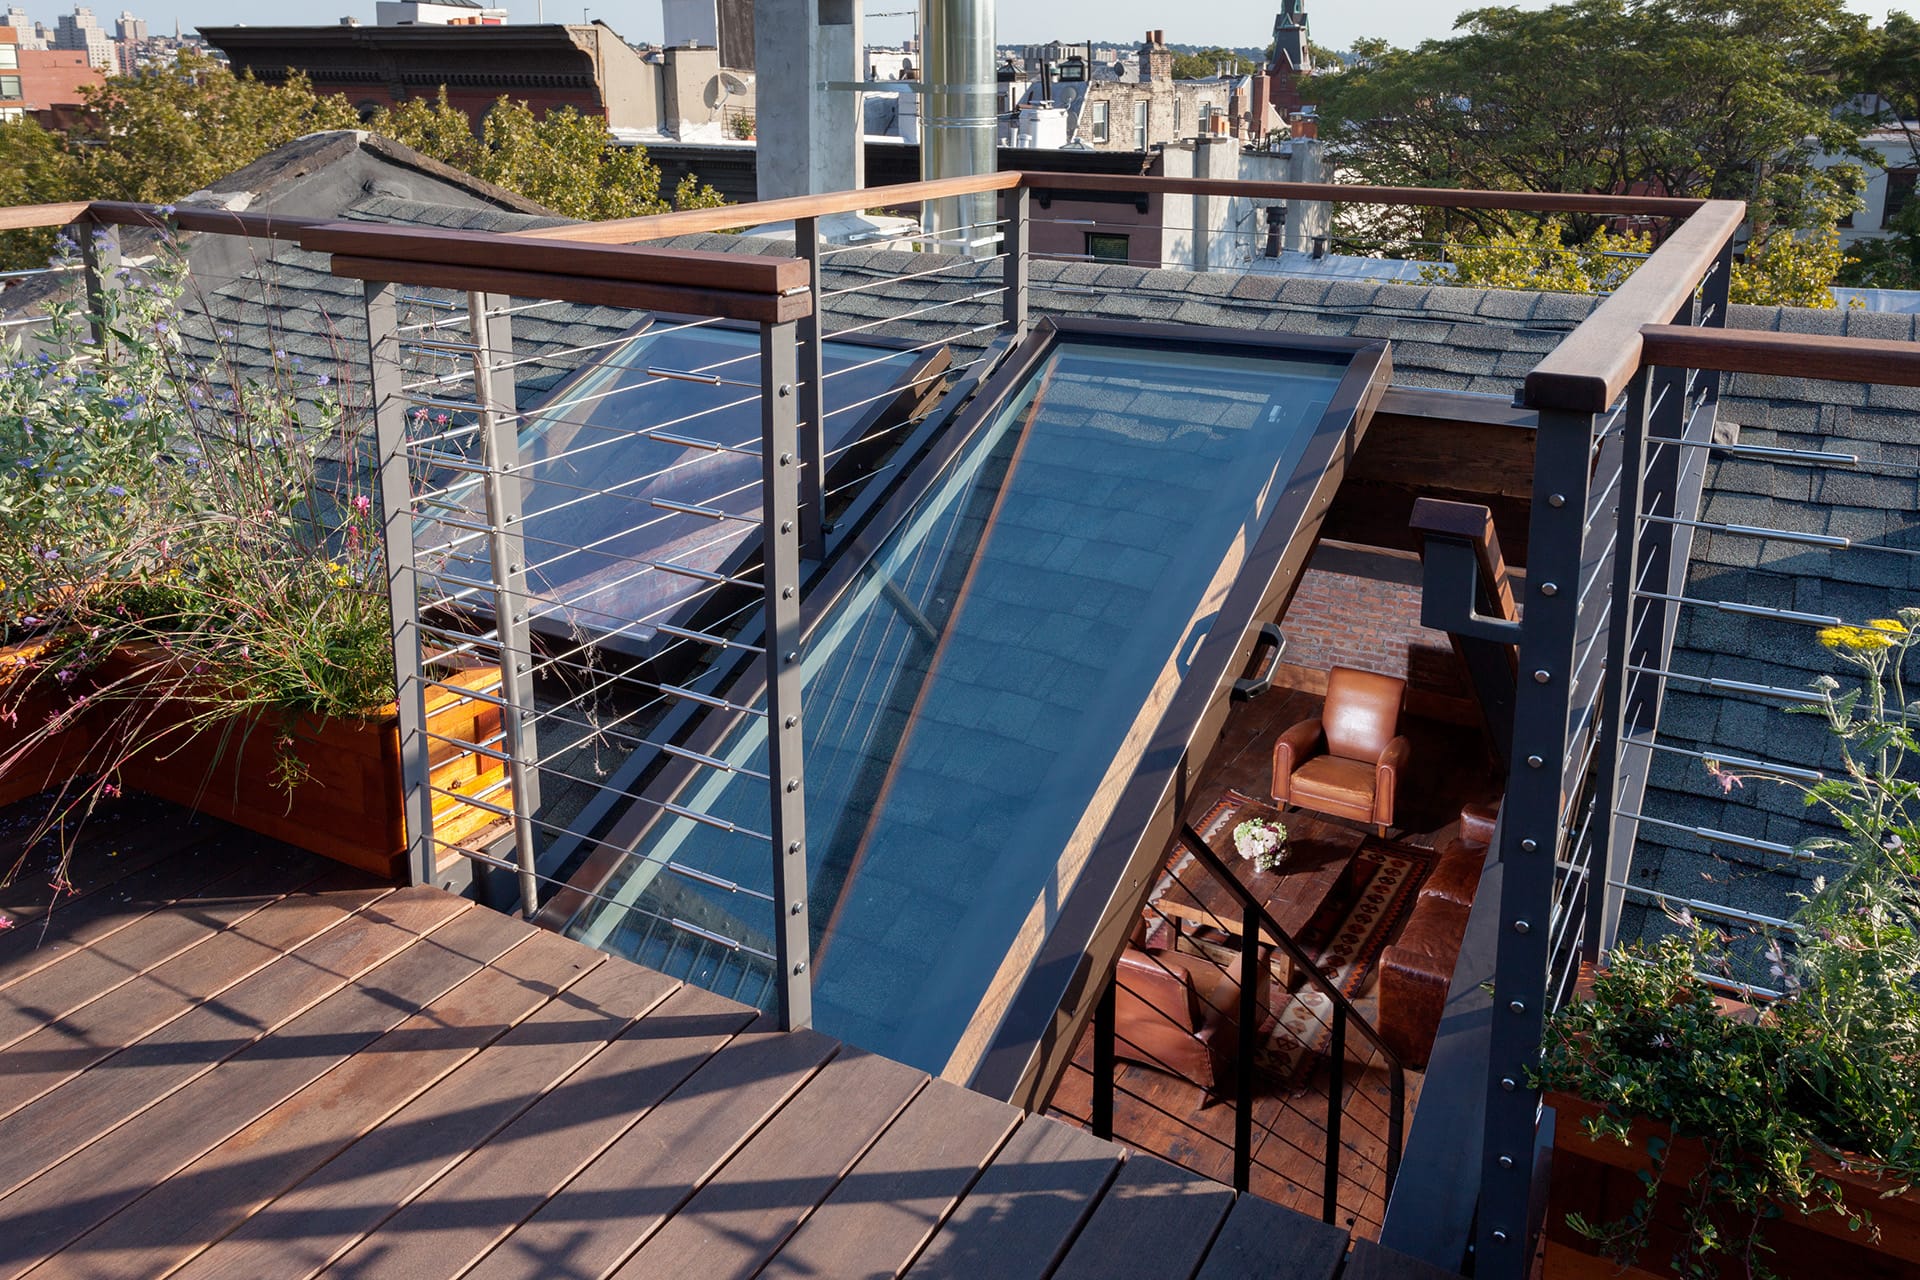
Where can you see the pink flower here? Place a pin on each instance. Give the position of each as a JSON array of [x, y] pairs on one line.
[[1727, 780], [363, 504], [109, 790]]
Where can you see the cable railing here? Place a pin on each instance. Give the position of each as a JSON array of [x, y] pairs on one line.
[[1330, 1095], [604, 673]]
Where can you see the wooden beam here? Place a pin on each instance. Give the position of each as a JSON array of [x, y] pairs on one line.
[[1422, 438], [610, 293], [732, 272], [1788, 355], [29, 217], [686, 222], [1591, 367], [1344, 193], [227, 222]]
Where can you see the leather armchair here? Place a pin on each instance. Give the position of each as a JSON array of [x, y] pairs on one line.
[[1178, 1014], [1348, 762]]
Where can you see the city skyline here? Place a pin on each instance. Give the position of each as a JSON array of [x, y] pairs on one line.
[[1404, 22]]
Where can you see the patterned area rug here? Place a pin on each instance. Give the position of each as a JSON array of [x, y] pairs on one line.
[[1345, 940]]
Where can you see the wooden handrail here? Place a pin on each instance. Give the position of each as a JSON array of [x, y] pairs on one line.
[[32, 217], [733, 272], [1594, 363], [686, 222], [1341, 193], [188, 217], [1790, 355]]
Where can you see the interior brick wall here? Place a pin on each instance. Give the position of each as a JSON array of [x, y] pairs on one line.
[[1371, 623]]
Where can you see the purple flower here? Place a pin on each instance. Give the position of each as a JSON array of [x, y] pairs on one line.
[[116, 491], [322, 380]]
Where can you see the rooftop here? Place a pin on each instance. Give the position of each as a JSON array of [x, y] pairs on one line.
[[1767, 452]]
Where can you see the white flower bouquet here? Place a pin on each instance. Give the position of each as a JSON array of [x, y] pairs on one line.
[[1262, 842]]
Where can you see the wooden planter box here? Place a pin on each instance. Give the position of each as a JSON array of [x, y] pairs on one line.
[[349, 807], [57, 759], [1601, 1181]]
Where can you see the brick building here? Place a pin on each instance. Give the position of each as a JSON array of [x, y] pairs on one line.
[[42, 83]]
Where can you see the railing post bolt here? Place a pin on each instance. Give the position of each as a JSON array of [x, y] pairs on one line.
[[1549, 588], [1542, 677], [1521, 926], [1529, 845], [1534, 762], [1518, 1006], [1506, 1162]]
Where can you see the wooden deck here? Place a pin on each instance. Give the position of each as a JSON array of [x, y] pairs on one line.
[[221, 1057], [1161, 1113]]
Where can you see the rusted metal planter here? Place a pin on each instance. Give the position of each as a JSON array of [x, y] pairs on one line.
[[1600, 1180], [347, 806]]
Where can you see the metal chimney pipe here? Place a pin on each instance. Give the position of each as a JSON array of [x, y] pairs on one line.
[[959, 120]]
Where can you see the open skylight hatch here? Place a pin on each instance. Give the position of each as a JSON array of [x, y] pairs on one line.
[[1011, 672], [618, 473]]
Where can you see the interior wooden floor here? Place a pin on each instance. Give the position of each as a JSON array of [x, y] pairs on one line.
[[222, 1057], [1162, 1113]]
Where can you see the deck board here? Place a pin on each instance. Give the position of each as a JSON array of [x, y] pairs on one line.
[[1262, 1241], [1157, 1219], [208, 1198], [268, 1074], [739, 1218], [486, 1196], [646, 1175], [880, 1216], [194, 1014], [1026, 1208], [83, 974]]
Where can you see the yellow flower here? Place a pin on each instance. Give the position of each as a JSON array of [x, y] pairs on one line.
[[1893, 625], [1857, 639]]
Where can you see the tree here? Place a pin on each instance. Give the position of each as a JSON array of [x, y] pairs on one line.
[[1887, 75], [1702, 98], [562, 160], [1208, 62], [1785, 270], [171, 130], [1538, 256]]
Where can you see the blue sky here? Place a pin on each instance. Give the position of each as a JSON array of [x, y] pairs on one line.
[[1236, 22]]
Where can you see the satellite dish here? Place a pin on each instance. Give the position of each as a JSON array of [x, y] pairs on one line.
[[726, 85]]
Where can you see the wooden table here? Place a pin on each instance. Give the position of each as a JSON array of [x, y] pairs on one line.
[[1319, 854]]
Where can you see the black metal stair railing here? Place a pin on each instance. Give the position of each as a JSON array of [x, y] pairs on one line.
[[1245, 962]]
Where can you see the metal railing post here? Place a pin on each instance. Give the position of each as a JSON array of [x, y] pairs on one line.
[[1103, 1059], [1336, 1085], [1244, 1055], [1530, 834], [1713, 309], [780, 587], [386, 381], [1015, 206], [491, 331], [1603, 902], [100, 260], [813, 423]]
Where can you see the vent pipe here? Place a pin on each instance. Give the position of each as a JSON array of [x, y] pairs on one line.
[[960, 121]]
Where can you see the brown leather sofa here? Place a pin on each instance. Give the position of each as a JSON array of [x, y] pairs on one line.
[[1348, 762], [1179, 1014], [1416, 972]]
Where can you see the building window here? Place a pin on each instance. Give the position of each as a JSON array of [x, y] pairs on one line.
[[10, 87], [1106, 247], [1899, 191], [1139, 126], [9, 57], [11, 113], [1099, 122]]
